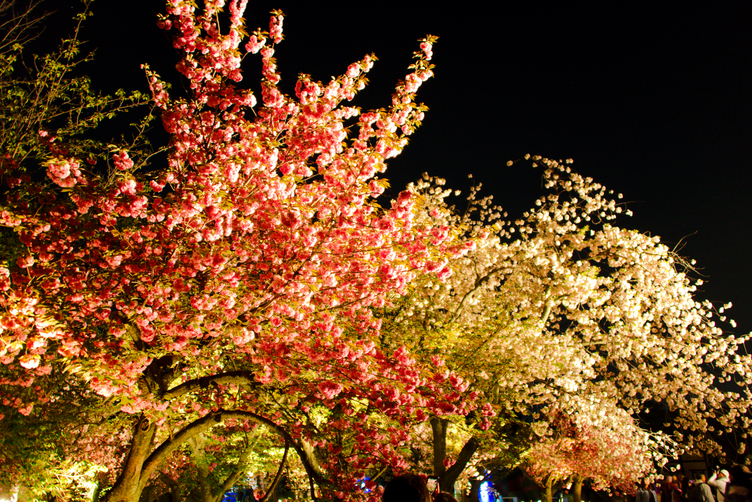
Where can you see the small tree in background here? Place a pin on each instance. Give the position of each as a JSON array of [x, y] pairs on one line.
[[576, 445]]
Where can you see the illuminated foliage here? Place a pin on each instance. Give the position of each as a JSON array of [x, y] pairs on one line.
[[561, 305], [234, 282]]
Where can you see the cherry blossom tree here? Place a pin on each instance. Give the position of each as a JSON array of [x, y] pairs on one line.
[[249, 279], [213, 463], [41, 450], [562, 303], [42, 91], [575, 445], [234, 282]]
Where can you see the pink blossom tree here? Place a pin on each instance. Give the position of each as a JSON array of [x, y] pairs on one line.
[[575, 445], [62, 449], [234, 282]]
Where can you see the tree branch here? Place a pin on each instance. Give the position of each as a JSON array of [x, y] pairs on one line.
[[236, 377], [274, 484], [18, 27], [451, 474], [213, 419], [478, 283]]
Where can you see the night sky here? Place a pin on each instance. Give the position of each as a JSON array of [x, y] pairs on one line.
[[653, 102]]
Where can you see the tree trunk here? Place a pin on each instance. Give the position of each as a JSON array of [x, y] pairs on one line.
[[577, 488], [475, 485], [454, 471], [439, 427], [447, 477], [549, 488], [129, 486]]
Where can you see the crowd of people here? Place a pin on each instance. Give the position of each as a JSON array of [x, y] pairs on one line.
[[722, 486], [413, 488]]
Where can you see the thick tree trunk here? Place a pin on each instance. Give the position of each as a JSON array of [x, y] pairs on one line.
[[577, 488], [447, 477], [129, 484], [439, 427]]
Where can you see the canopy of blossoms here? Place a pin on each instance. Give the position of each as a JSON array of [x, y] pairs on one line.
[[234, 281], [562, 303]]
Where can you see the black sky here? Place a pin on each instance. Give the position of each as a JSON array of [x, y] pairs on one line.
[[653, 102]]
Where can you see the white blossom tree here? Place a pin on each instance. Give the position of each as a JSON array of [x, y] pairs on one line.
[[562, 304]]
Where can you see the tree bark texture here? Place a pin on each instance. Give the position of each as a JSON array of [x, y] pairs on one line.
[[142, 462], [447, 477], [577, 488], [439, 428], [129, 484], [549, 488]]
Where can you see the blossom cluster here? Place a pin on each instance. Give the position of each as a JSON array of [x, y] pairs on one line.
[[251, 260], [561, 304]]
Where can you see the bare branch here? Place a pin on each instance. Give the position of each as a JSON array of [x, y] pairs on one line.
[[18, 23], [278, 476]]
